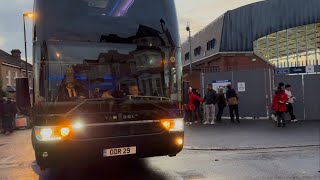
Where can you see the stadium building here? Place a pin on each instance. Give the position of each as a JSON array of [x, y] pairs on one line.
[[271, 33]]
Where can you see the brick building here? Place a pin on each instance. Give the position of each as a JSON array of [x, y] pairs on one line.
[[12, 67]]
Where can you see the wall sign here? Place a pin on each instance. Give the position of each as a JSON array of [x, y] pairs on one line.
[[309, 69], [282, 71], [297, 70], [220, 84], [241, 86]]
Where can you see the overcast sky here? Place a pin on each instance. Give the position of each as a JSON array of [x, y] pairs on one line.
[[198, 12]]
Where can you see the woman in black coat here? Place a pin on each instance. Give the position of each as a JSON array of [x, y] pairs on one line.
[[222, 103]]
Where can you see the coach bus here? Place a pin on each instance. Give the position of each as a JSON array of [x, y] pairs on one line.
[[107, 81]]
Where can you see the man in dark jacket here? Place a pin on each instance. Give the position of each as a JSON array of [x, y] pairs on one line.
[[233, 101], [210, 100], [10, 111]]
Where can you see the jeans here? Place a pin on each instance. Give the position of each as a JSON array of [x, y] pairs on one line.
[[8, 123], [234, 108], [188, 116], [210, 112], [220, 112], [290, 111], [196, 114], [281, 118]]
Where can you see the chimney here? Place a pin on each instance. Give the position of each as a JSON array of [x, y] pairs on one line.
[[16, 53]]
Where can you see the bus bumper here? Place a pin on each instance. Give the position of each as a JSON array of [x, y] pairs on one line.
[[91, 151]]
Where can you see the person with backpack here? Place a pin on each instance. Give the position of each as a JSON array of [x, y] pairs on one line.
[[233, 102], [279, 104], [210, 100]]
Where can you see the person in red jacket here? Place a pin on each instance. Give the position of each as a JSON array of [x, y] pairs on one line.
[[279, 104], [191, 107]]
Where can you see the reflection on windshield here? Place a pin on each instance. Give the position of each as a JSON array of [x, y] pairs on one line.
[[95, 71]]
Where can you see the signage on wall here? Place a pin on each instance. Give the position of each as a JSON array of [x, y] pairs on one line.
[[220, 84], [282, 71], [297, 70], [241, 86], [309, 69]]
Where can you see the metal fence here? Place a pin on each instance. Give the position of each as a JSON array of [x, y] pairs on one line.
[[254, 91], [259, 86], [306, 88]]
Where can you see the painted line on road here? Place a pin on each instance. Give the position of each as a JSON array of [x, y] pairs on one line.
[[5, 160], [192, 148]]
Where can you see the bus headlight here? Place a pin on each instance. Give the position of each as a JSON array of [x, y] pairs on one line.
[[51, 133], [173, 125]]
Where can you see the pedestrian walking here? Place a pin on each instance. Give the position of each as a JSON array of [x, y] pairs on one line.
[[233, 102], [279, 104], [210, 100], [222, 103], [200, 107], [10, 111], [290, 102], [191, 106], [197, 112]]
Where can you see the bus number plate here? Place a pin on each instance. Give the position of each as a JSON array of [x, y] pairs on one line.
[[119, 151]]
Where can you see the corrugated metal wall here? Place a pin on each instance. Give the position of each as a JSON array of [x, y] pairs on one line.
[[244, 25]]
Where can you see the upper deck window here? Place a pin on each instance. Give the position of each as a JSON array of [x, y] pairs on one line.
[[115, 21]]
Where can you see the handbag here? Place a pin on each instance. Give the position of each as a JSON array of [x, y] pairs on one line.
[[233, 101]]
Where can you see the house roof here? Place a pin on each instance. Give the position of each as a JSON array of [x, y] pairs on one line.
[[9, 59]]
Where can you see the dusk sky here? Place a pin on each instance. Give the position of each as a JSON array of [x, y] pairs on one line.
[[198, 12]]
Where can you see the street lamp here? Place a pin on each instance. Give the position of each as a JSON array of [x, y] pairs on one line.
[[190, 54], [29, 15]]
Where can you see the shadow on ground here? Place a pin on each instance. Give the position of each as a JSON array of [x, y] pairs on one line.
[[133, 169]]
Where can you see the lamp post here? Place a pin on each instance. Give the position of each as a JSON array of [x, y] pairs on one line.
[[29, 15], [190, 54]]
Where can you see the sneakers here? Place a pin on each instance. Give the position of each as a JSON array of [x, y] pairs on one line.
[[212, 122], [206, 122], [274, 117], [295, 120], [188, 123]]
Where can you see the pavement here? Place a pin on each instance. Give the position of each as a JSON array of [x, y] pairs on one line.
[[252, 134]]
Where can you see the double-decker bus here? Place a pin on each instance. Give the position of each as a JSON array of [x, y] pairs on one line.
[[107, 81]]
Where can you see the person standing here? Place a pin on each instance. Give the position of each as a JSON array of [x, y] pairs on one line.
[[191, 107], [10, 111], [196, 115], [222, 103], [210, 100], [279, 104], [2, 100], [233, 102], [200, 107], [290, 102]]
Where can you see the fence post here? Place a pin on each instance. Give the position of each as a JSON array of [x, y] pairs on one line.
[[303, 98]]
